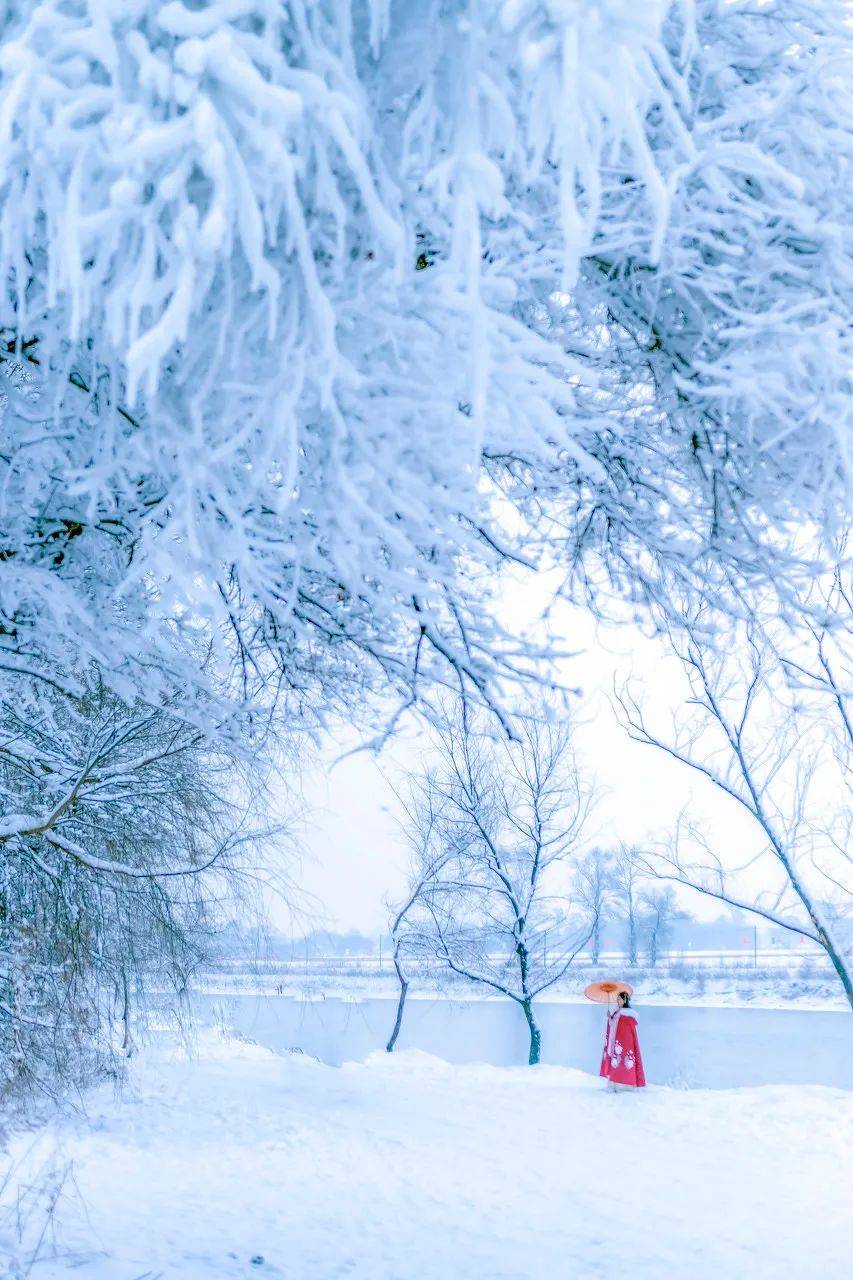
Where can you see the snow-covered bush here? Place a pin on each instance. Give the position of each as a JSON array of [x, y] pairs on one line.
[[31, 1188]]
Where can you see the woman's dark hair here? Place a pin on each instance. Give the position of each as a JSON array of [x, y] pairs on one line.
[[625, 999]]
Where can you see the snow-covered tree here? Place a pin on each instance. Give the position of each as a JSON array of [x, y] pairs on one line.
[[495, 827], [771, 755], [659, 910], [627, 875], [730, 341], [412, 935], [314, 314], [125, 830], [594, 886]]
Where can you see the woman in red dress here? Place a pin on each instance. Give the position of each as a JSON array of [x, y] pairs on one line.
[[621, 1063]]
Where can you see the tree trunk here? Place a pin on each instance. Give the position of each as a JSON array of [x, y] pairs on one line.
[[527, 1000], [823, 932], [824, 935], [126, 1039], [837, 961], [398, 1021], [535, 1033]]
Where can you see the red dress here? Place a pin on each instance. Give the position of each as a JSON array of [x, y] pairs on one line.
[[621, 1062]]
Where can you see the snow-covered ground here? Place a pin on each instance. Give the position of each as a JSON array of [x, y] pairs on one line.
[[237, 1162]]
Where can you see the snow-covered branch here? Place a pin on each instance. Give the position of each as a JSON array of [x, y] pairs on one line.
[[315, 315]]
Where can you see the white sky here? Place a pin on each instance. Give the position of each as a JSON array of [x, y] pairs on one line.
[[355, 855]]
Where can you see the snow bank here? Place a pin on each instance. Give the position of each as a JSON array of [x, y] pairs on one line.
[[237, 1162]]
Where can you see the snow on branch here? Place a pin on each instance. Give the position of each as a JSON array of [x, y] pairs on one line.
[[314, 316]]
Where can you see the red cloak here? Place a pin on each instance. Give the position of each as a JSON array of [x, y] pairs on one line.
[[621, 1061]]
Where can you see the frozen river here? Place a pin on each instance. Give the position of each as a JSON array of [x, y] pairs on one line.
[[692, 1047]]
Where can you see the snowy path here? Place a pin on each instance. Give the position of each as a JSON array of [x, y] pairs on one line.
[[407, 1169]]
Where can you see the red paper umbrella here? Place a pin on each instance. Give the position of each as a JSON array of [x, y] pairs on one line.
[[605, 992]]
